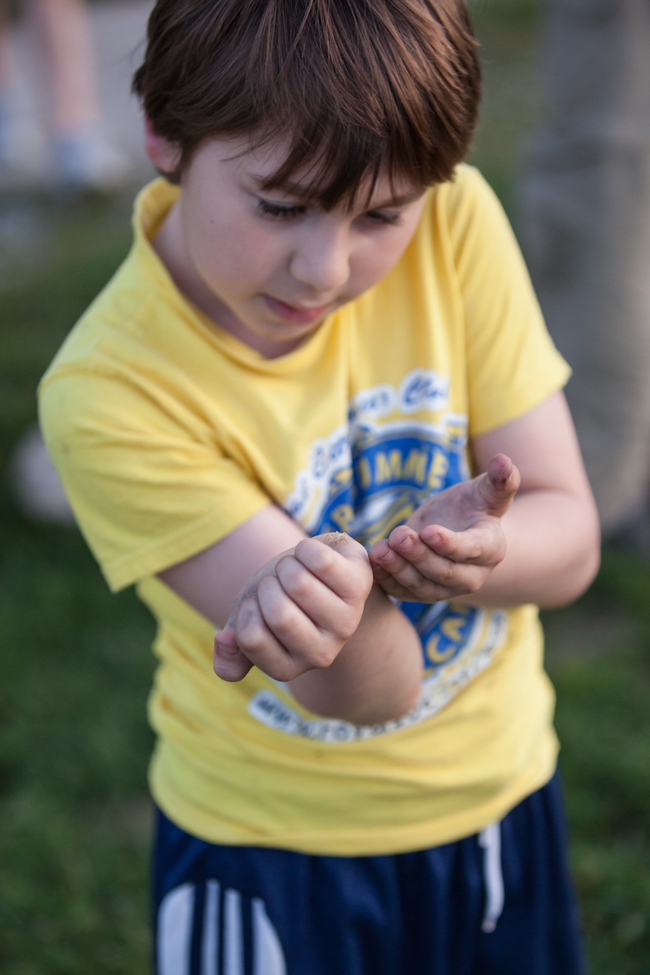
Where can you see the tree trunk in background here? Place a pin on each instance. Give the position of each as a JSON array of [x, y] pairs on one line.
[[585, 227]]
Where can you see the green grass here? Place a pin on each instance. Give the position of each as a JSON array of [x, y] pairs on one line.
[[74, 744], [599, 660], [76, 668]]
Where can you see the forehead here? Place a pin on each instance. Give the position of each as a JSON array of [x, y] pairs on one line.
[[256, 163]]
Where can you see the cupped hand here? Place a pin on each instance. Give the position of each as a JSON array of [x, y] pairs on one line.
[[298, 611], [451, 544]]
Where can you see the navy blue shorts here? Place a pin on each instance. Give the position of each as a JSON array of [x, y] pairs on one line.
[[498, 903]]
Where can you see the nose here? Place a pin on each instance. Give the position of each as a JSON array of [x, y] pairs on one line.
[[322, 256]]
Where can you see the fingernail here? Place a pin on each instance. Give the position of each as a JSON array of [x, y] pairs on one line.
[[226, 649], [433, 538], [407, 542], [388, 557]]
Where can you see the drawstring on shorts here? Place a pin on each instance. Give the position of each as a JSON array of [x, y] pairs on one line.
[[490, 839]]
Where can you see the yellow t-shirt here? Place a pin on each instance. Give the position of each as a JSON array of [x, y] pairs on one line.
[[168, 433]]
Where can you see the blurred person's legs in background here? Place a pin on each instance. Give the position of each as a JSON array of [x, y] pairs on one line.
[[586, 230], [5, 75], [82, 154], [62, 30]]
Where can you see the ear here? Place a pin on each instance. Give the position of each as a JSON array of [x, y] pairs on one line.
[[165, 155]]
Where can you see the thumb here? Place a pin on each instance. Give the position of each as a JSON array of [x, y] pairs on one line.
[[229, 662], [498, 486], [344, 544]]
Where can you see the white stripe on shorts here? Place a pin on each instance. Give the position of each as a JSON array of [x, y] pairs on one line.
[[268, 957], [175, 931], [233, 940], [490, 839], [175, 921], [210, 943]]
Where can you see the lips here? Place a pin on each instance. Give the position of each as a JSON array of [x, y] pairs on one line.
[[296, 314]]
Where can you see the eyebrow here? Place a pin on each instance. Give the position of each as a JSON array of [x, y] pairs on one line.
[[301, 193]]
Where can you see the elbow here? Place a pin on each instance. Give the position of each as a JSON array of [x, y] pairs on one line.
[[376, 710], [580, 575], [581, 579], [382, 711], [590, 557], [593, 565]]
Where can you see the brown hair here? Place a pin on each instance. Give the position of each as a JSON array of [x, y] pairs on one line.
[[353, 85]]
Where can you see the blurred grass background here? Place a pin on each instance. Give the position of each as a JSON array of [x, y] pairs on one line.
[[74, 813]]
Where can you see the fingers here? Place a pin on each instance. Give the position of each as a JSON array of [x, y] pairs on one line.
[[342, 543], [483, 544], [311, 610], [498, 486], [324, 607], [441, 563], [339, 562], [229, 662], [438, 563], [278, 637], [257, 639], [253, 636], [298, 618], [434, 542], [292, 629], [425, 574]]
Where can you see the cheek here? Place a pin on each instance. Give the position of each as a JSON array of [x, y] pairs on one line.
[[378, 257], [381, 253], [233, 250]]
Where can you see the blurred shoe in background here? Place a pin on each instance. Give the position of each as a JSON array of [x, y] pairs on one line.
[[53, 45], [88, 159]]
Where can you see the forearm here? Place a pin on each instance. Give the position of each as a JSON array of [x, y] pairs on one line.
[[377, 675], [215, 580], [552, 551]]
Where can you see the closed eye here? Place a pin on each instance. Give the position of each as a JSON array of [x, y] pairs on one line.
[[282, 211], [291, 211], [383, 217]]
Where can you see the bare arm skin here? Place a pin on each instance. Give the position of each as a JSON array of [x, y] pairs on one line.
[[305, 610], [211, 580], [471, 542], [344, 648]]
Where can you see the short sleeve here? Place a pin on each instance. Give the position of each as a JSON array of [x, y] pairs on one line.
[[149, 487], [512, 364]]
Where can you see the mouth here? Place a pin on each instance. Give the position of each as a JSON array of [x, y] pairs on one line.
[[296, 314]]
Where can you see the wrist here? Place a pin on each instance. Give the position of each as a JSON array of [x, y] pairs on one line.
[[250, 586], [377, 675]]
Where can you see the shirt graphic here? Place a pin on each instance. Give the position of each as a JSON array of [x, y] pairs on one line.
[[366, 478]]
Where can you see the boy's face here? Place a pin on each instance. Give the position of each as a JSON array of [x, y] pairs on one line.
[[261, 263]]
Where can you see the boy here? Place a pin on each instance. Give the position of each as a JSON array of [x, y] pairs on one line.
[[324, 333]]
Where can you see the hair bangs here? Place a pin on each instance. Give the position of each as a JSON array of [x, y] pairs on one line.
[[353, 87], [328, 169]]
